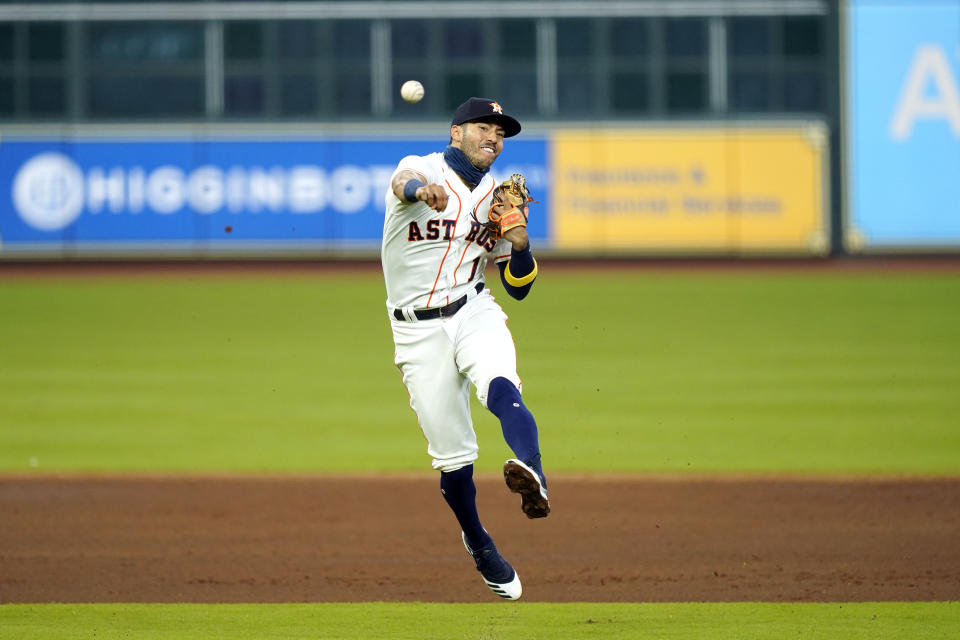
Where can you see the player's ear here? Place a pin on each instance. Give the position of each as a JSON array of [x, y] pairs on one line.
[[456, 133]]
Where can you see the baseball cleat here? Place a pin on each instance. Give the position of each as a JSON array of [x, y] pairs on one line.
[[521, 479], [495, 571]]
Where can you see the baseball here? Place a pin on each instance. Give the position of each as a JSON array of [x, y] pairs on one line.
[[411, 91]]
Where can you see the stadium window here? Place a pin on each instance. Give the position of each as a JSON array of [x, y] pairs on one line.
[[298, 95], [803, 91], [459, 85], [574, 38], [518, 40], [112, 96], [749, 37], [297, 40], [802, 36], [751, 91], [6, 96], [353, 93], [352, 38], [631, 92], [686, 91], [124, 43], [518, 90], [244, 95], [463, 39], [630, 37], [577, 91], [686, 76], [243, 40], [409, 40], [46, 95], [686, 37], [6, 42], [45, 41]]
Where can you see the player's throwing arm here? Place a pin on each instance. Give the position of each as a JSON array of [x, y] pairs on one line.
[[409, 186]]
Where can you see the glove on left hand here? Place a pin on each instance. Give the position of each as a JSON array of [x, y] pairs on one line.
[[510, 207]]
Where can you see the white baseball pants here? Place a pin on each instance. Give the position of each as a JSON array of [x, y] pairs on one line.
[[439, 360]]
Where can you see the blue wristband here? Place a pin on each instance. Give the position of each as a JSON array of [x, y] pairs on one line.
[[410, 190]]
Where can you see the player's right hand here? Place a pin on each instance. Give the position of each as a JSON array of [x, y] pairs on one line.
[[434, 195]]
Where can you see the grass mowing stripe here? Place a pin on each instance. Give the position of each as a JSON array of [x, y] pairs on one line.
[[625, 371], [506, 621]]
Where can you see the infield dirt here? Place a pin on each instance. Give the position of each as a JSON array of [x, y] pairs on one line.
[[390, 538]]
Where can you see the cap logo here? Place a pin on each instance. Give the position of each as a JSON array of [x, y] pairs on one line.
[[496, 107]]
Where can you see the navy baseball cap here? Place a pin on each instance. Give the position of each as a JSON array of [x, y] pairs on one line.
[[486, 110]]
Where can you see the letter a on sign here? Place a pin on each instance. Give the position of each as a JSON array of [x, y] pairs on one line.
[[930, 65]]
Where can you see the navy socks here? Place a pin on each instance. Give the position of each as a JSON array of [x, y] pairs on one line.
[[516, 421], [461, 495], [520, 432]]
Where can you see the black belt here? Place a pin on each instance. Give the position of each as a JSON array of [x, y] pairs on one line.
[[438, 312]]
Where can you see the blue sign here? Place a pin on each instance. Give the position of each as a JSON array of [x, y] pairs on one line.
[[904, 124], [87, 194]]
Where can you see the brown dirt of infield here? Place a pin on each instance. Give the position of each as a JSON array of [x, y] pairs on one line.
[[218, 538]]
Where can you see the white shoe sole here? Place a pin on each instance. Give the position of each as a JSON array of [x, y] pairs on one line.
[[509, 591]]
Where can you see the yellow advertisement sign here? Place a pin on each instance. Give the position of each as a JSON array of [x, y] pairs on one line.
[[718, 189]]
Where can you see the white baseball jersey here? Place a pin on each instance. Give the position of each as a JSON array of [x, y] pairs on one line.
[[431, 258]]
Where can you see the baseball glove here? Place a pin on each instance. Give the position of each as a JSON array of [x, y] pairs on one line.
[[510, 206]]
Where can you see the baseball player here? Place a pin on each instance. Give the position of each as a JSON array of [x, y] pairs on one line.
[[446, 217]]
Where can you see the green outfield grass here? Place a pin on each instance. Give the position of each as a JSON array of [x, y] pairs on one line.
[[502, 621], [644, 371]]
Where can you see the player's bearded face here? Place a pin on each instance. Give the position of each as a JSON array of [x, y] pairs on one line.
[[481, 142]]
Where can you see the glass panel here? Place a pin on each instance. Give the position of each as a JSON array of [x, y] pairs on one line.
[[353, 95], [518, 39], [518, 91], [298, 95], [749, 37], [630, 37], [686, 91], [45, 41], [460, 86], [409, 39], [243, 40], [6, 96], [353, 39], [145, 41], [686, 37], [803, 36], [145, 95], [576, 91], [631, 92], [46, 96], [463, 39], [244, 95], [750, 91], [574, 38], [6, 41], [803, 92], [298, 40]]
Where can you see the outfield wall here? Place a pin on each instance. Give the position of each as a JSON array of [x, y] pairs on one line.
[[700, 188], [902, 125]]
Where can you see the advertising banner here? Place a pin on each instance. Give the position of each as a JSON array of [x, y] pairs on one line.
[[88, 195], [698, 189], [903, 127], [716, 189]]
